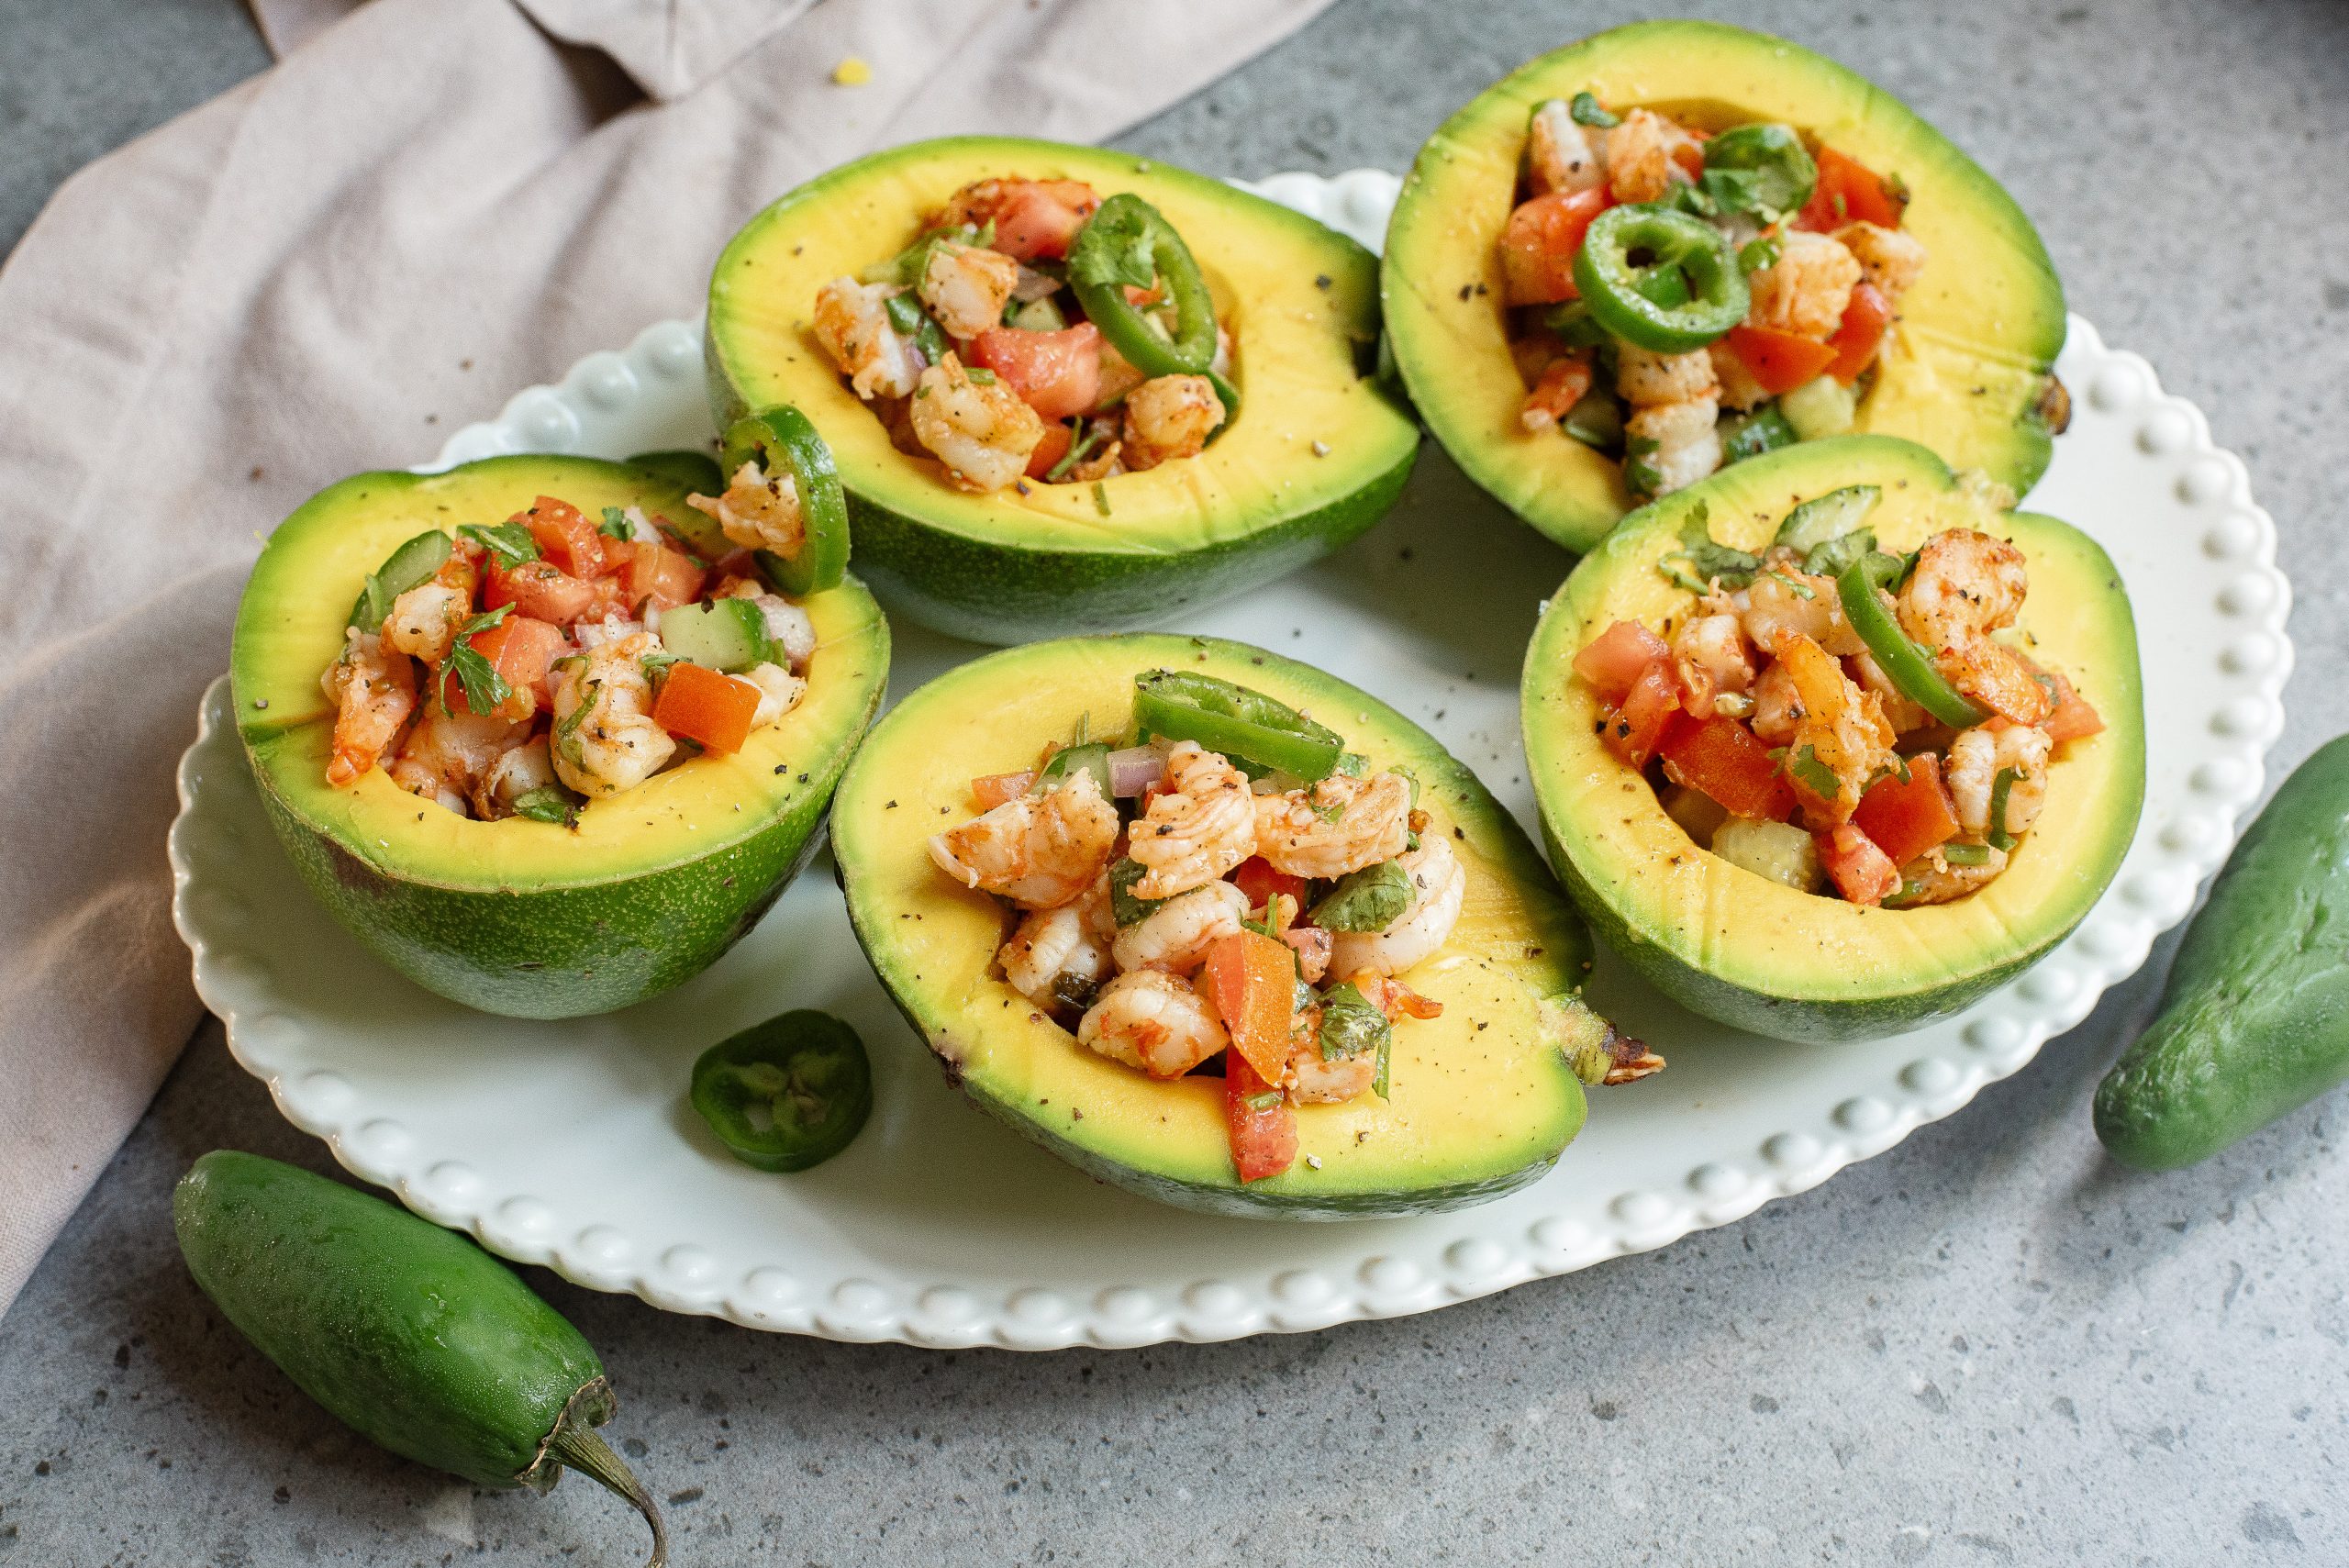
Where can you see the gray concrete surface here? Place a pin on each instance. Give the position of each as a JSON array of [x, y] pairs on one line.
[[1986, 1347]]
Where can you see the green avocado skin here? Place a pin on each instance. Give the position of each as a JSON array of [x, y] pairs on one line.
[[2254, 1023], [557, 953], [930, 573], [411, 1334]]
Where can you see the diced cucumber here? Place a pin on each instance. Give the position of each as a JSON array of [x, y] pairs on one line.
[[1829, 516], [1819, 407], [1039, 315], [412, 564], [729, 635], [1750, 435], [1091, 757], [1779, 850]]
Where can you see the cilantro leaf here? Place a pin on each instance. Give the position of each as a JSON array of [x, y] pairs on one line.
[[485, 687], [1707, 562], [1758, 253], [616, 525], [510, 542], [1805, 768], [548, 803], [1587, 110], [1114, 247]]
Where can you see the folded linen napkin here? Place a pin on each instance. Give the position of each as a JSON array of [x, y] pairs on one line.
[[425, 206]]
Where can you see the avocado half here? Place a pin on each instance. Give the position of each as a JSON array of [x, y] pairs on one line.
[[1484, 1099], [523, 918], [1968, 363], [1737, 947], [1316, 454]]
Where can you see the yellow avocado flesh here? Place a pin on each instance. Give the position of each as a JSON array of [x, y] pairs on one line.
[[1314, 457], [1752, 951], [1481, 1097], [290, 627], [1961, 375]]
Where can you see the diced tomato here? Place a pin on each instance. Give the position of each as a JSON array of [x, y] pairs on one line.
[[519, 648], [1721, 757], [1650, 710], [1907, 820], [1614, 660], [1252, 979], [1032, 218], [1138, 297], [2074, 719], [1396, 1000], [1862, 873], [1690, 154], [1259, 880], [565, 537], [994, 789], [1865, 321], [543, 591], [1264, 1137], [1780, 361], [702, 704], [1050, 449], [648, 569], [1848, 191], [1057, 373], [1539, 244]]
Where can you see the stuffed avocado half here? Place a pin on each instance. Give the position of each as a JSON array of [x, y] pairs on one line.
[[1421, 1054], [1845, 844], [496, 827], [1806, 255], [1166, 376]]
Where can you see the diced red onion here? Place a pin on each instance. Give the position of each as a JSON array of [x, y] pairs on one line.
[[1033, 286], [611, 628], [1134, 769]]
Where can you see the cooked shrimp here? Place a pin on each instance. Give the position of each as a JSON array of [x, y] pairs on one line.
[[1311, 945], [1931, 879], [1806, 289], [1040, 851], [1891, 258], [983, 432], [1709, 655], [779, 693], [424, 621], [1339, 825], [518, 770], [1643, 156], [1177, 935], [1155, 1021], [1313, 1078], [1054, 959], [446, 757], [1655, 381], [1841, 726], [1740, 389], [605, 738], [1170, 417], [1783, 601], [1557, 389], [1976, 760], [1777, 709], [758, 510], [1965, 585], [967, 288], [373, 689], [1439, 886], [1687, 442], [852, 323], [1899, 710], [788, 625], [1562, 154], [1202, 826]]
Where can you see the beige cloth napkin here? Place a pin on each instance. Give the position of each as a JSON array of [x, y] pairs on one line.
[[426, 205]]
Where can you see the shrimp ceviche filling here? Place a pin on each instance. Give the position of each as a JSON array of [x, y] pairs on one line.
[[521, 668], [1228, 885], [1035, 333], [1828, 713], [1681, 299]]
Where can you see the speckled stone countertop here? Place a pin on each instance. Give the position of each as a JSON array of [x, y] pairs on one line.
[[1987, 1346]]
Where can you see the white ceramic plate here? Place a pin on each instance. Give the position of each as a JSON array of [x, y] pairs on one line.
[[570, 1144]]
